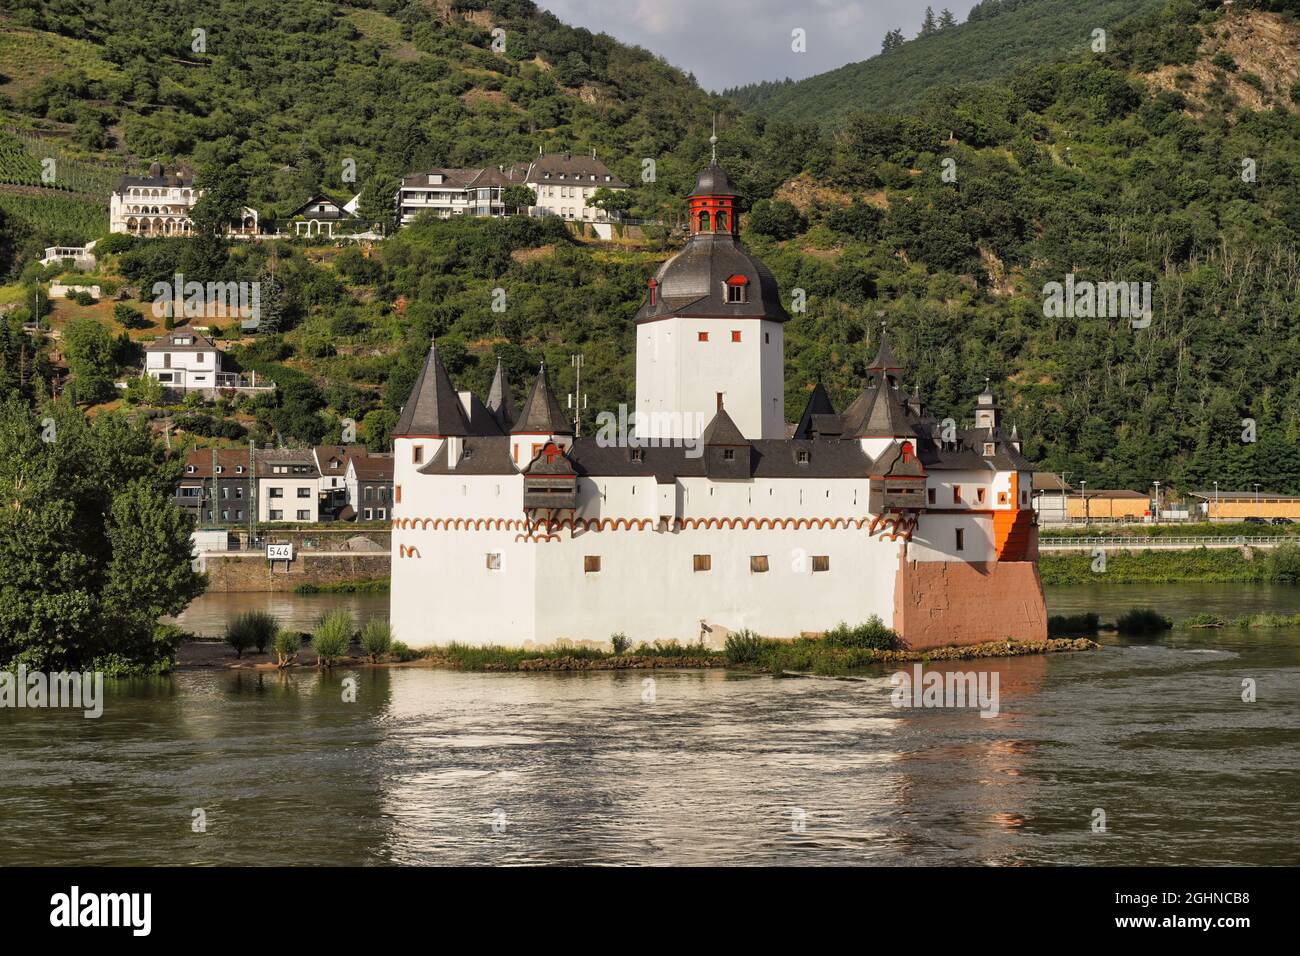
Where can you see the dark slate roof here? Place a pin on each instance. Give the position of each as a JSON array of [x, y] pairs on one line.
[[819, 405], [335, 209], [692, 283], [885, 360], [713, 181], [267, 458], [480, 455], [433, 408], [167, 342], [500, 402], [723, 431], [879, 411], [569, 167], [481, 419], [158, 177], [542, 414]]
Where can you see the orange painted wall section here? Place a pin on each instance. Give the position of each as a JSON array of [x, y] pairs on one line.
[[937, 603]]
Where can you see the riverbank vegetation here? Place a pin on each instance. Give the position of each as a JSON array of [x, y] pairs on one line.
[[93, 550], [368, 586], [1250, 621], [1281, 565]]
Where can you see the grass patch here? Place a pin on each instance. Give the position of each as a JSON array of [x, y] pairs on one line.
[[373, 586]]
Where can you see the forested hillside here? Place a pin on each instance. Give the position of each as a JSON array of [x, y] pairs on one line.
[[1124, 166], [288, 97], [999, 37]]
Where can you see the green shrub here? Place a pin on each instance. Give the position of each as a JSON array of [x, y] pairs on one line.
[[1072, 624], [286, 646], [402, 652], [1143, 620], [251, 629], [743, 647], [619, 642], [1283, 564], [873, 634], [332, 637], [376, 638]]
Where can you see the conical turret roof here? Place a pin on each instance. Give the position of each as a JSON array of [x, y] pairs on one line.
[[500, 402], [433, 409], [542, 414]]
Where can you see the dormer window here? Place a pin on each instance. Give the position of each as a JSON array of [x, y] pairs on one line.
[[728, 454], [988, 448], [638, 454], [802, 457], [190, 469], [735, 286]]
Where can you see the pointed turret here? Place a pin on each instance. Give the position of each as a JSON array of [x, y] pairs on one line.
[[885, 360], [542, 414], [727, 453], [988, 413], [819, 403], [433, 409], [500, 402]]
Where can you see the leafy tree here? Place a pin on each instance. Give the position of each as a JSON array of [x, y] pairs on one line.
[[89, 352], [519, 197], [779, 219], [93, 550]]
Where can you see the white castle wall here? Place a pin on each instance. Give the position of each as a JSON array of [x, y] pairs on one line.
[[676, 372]]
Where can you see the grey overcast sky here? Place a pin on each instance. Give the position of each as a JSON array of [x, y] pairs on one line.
[[732, 42]]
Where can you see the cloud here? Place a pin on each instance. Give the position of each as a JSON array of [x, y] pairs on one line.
[[732, 42]]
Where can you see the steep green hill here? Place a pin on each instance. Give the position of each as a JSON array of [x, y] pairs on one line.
[[1171, 159], [289, 97], [1001, 36]]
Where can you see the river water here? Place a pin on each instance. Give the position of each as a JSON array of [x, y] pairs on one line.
[[702, 767]]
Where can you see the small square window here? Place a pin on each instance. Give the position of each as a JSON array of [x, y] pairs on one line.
[[704, 562], [638, 454], [728, 454], [304, 515], [735, 293], [494, 561], [758, 564], [821, 562], [304, 492], [277, 515], [702, 336], [591, 563], [1002, 497], [735, 335], [803, 457]]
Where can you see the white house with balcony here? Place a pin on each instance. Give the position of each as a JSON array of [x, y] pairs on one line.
[[159, 204], [186, 360]]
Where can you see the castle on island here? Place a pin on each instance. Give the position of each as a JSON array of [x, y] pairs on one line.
[[715, 515]]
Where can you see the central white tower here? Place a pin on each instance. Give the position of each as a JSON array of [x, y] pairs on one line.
[[711, 332]]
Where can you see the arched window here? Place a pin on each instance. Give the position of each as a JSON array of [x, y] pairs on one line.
[[704, 220], [720, 220]]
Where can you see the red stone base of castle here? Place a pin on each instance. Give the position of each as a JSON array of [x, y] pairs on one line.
[[938, 603]]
